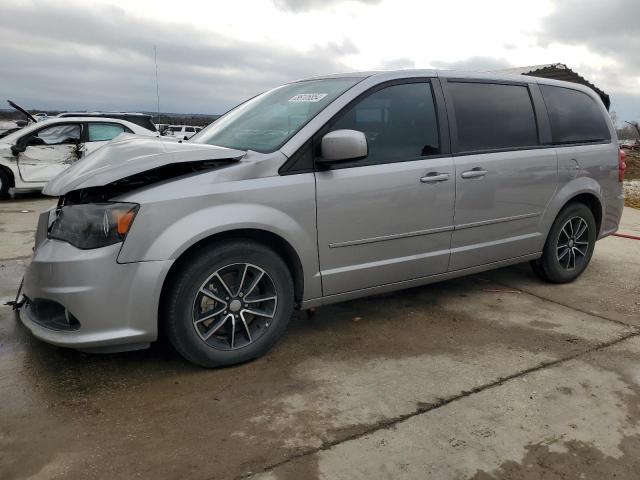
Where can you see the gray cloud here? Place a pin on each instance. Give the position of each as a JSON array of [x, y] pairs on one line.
[[54, 56], [473, 64], [307, 5], [397, 64], [610, 30]]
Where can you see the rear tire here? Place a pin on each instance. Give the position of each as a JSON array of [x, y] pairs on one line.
[[229, 304], [569, 246]]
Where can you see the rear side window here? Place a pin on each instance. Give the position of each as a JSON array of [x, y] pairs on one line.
[[492, 116], [399, 121], [574, 116], [103, 132]]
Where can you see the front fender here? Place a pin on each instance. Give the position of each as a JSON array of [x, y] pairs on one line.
[[165, 230]]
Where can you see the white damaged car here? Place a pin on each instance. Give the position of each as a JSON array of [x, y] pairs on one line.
[[33, 155]]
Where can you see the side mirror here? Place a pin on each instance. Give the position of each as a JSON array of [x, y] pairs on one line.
[[341, 145], [18, 148]]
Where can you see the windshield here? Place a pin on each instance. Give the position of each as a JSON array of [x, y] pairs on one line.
[[267, 121]]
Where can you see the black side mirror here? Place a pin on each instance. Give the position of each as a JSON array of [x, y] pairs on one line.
[[186, 138], [18, 148]]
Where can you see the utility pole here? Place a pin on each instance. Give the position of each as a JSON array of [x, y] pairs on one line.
[[155, 56]]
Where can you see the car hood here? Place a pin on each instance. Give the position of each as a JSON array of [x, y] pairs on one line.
[[129, 155]]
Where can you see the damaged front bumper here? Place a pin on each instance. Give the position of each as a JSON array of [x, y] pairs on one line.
[[86, 300]]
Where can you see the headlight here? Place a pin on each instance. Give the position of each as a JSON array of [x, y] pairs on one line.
[[93, 225]]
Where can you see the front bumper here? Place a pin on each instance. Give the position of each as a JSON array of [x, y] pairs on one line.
[[115, 304]]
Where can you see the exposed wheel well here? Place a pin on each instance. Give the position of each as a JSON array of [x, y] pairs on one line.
[[271, 240], [594, 205]]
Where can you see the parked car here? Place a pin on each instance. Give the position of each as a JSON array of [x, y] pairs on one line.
[[316, 192], [141, 119], [181, 131], [33, 155]]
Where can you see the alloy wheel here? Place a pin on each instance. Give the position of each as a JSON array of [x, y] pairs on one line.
[[573, 243], [234, 306]]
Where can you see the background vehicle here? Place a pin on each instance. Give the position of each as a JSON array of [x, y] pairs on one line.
[[181, 131], [320, 191], [31, 156], [141, 119]]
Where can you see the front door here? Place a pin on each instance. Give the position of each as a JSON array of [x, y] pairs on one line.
[[504, 176], [388, 217], [49, 151]]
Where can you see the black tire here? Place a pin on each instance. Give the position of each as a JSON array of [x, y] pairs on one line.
[[563, 244], [250, 338], [4, 184]]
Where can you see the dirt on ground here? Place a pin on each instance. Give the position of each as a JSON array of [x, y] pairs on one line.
[[632, 179]]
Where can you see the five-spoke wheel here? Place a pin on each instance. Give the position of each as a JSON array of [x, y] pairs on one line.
[[573, 243], [569, 245], [234, 306], [229, 303]]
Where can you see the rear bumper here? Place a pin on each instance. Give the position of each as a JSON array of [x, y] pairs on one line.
[[115, 304], [612, 214]]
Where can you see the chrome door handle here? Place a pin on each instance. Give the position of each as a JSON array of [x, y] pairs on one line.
[[474, 173], [434, 177]]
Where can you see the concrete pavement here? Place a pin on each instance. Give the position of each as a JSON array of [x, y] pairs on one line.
[[492, 376]]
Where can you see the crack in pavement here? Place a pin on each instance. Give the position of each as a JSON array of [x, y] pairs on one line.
[[424, 408], [577, 309]]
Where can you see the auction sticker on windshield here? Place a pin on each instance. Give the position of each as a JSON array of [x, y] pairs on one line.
[[308, 97]]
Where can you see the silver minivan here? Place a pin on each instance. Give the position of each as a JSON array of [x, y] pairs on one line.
[[315, 192]]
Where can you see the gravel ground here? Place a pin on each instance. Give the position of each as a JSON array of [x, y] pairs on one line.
[[632, 180]]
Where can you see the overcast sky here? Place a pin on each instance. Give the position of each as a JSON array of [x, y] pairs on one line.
[[213, 54]]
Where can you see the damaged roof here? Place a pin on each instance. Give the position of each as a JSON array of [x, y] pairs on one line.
[[558, 71]]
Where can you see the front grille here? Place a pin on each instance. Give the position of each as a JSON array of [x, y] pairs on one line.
[[50, 314]]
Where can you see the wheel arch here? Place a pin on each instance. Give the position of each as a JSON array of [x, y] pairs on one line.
[[582, 190], [593, 203], [269, 239]]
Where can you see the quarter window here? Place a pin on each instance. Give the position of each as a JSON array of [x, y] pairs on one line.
[[399, 121], [103, 132], [574, 116], [492, 116]]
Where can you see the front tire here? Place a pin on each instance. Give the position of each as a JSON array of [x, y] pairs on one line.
[[4, 184], [229, 304], [569, 246]]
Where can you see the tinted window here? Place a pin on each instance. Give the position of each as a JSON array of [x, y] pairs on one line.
[[56, 135], [574, 116], [399, 122], [103, 132], [189, 129], [490, 116]]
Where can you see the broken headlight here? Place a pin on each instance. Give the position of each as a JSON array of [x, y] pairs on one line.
[[93, 225]]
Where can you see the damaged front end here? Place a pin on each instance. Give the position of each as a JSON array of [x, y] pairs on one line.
[[139, 180], [134, 161], [89, 218]]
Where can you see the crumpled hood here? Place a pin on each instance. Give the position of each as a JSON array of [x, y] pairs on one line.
[[128, 155]]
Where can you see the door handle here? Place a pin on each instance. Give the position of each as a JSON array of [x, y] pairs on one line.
[[434, 177], [474, 173]]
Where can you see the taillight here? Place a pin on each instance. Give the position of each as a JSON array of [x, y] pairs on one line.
[[622, 165]]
